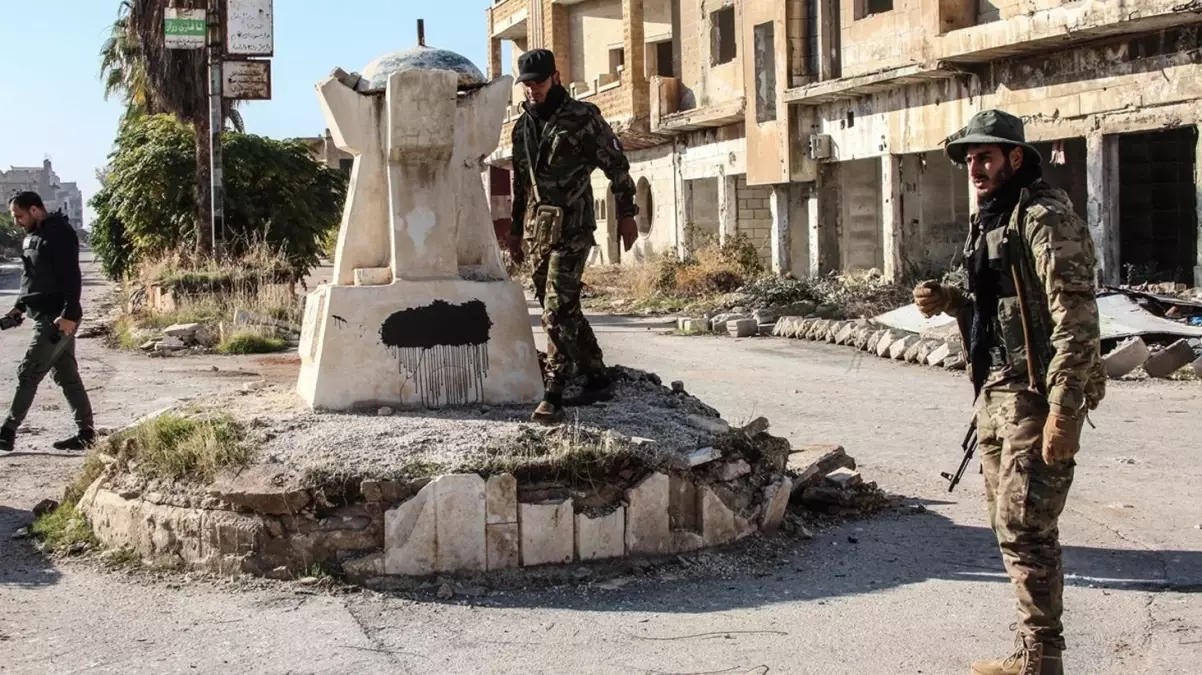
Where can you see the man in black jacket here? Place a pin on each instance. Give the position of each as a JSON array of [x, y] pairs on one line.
[[50, 289]]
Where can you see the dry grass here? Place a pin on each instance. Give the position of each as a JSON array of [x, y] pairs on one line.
[[178, 448]]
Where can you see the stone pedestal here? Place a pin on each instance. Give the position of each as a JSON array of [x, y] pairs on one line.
[[420, 311]]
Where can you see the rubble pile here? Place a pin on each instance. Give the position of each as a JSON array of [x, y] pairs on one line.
[[199, 337]]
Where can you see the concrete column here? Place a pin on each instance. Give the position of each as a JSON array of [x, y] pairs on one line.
[[778, 205], [828, 39], [728, 207], [494, 56], [891, 216], [635, 48], [813, 215], [1102, 203]]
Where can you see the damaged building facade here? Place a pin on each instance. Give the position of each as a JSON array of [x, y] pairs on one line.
[[816, 127]]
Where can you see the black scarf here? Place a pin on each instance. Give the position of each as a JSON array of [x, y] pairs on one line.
[[985, 283]]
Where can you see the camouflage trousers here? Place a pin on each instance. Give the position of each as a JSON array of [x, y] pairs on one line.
[[570, 338], [1025, 497]]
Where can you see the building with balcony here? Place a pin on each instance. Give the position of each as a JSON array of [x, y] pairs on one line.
[[56, 194], [816, 127]]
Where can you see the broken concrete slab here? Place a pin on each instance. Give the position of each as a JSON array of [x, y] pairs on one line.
[[734, 470], [409, 535], [459, 522], [702, 456], [811, 465], [1170, 359], [263, 488], [844, 477], [776, 501], [1197, 366], [742, 328], [603, 537], [713, 425], [647, 516], [1126, 357], [682, 504], [898, 348], [546, 533], [501, 499], [693, 325], [503, 546], [719, 524], [955, 362]]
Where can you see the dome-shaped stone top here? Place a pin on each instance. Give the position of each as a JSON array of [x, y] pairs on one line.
[[421, 58]]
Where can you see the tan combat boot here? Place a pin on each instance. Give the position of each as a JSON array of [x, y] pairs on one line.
[[547, 414], [1029, 658]]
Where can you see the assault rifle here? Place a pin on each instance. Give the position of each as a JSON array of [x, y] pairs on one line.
[[970, 446]]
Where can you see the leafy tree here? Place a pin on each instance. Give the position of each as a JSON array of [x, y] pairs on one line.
[[10, 235], [136, 63], [277, 195]]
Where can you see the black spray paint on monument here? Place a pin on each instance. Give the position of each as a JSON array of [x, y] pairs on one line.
[[444, 347]]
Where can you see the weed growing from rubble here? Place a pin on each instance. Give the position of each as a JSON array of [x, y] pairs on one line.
[[251, 343], [571, 452], [64, 528], [178, 448]]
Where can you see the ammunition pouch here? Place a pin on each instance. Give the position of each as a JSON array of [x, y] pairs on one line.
[[545, 228]]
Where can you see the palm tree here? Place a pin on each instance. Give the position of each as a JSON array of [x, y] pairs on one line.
[[153, 79]]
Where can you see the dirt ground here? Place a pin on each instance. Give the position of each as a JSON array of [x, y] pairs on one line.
[[916, 591]]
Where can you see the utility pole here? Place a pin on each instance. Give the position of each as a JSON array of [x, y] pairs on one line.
[[216, 124]]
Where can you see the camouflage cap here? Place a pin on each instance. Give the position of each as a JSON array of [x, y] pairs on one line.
[[536, 65], [990, 127]]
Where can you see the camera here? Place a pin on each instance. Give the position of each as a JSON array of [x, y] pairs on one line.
[[7, 322]]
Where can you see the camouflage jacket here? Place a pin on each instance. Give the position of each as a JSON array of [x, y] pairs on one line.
[[1047, 315], [575, 141]]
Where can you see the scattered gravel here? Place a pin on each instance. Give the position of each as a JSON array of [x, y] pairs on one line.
[[409, 443]]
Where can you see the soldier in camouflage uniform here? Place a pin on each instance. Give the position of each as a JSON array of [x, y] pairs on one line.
[[1029, 321], [557, 144]]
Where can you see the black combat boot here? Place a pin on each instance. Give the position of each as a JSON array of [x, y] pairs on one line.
[[85, 439], [8, 439]]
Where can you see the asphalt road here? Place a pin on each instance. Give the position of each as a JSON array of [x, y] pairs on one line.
[[919, 593]]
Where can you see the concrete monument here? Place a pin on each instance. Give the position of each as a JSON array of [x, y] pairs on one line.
[[420, 311]]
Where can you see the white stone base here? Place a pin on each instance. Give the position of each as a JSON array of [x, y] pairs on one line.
[[347, 360]]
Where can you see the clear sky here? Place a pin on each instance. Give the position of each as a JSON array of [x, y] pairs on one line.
[[50, 73]]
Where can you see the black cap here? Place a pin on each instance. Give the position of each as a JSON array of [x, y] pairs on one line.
[[536, 65], [990, 127]]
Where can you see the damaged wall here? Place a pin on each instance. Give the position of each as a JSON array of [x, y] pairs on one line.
[[705, 80], [860, 244]]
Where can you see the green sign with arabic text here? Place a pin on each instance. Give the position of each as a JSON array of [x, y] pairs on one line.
[[185, 28]]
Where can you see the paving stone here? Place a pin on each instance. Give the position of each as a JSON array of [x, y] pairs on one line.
[[862, 335], [693, 325], [925, 347], [459, 522], [764, 316], [603, 537], [1126, 357], [836, 327], [1170, 359], [719, 524], [811, 465], [911, 354], [547, 533], [503, 546], [803, 331], [1197, 366], [776, 501], [897, 348], [874, 340], [845, 334], [955, 362], [939, 354], [501, 499], [647, 528], [742, 328], [409, 535]]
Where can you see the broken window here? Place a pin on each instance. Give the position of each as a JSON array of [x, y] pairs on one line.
[[345, 165], [765, 72], [866, 8], [663, 59], [722, 36]]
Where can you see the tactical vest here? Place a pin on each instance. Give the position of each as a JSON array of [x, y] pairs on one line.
[[1023, 323]]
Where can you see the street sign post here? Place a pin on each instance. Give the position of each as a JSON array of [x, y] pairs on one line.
[[184, 28], [249, 29]]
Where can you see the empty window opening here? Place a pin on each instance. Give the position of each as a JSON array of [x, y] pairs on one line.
[[866, 8], [722, 36], [765, 73], [663, 59]]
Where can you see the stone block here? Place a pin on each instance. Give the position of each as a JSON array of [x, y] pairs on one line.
[[692, 325], [782, 326], [682, 504], [440, 529], [703, 456], [819, 330], [502, 546], [925, 347], [501, 499], [845, 333], [742, 328], [764, 316], [647, 525], [1197, 366], [547, 533], [776, 501], [813, 464], [713, 425], [874, 340], [719, 524], [940, 353], [1126, 357], [911, 354], [897, 348], [844, 477], [735, 470], [861, 337], [686, 541], [887, 340], [955, 362], [1170, 359], [603, 537]]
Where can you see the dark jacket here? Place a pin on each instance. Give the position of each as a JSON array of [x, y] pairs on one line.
[[574, 142], [51, 283]]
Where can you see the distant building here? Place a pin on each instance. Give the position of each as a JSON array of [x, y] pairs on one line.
[[43, 180], [327, 153]]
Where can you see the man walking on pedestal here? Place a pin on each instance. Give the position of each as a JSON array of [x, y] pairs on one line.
[[1029, 322], [557, 144]]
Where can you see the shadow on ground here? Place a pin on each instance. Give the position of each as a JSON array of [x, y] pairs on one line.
[[21, 565]]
